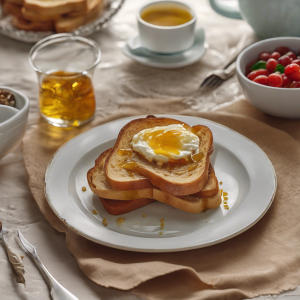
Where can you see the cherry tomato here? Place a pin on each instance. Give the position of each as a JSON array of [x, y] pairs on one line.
[[282, 50], [264, 56], [271, 65], [291, 55], [248, 67], [296, 61], [286, 81], [284, 60], [295, 84], [291, 68], [261, 79], [294, 76], [275, 80], [256, 73], [275, 55]]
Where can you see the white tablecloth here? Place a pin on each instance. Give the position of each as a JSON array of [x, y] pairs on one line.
[[117, 80]]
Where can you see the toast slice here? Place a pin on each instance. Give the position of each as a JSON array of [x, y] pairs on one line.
[[23, 24], [54, 7], [99, 185], [37, 17], [70, 23], [118, 207], [19, 2], [121, 203], [12, 9], [174, 179]]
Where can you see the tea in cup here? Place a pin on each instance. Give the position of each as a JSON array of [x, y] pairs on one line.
[[166, 26]]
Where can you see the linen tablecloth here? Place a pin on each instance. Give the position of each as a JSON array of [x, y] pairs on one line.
[[118, 81]]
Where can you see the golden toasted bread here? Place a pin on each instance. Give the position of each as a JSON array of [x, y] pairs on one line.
[[37, 17], [99, 185], [12, 9], [31, 25], [116, 207], [19, 2], [54, 7], [176, 180], [70, 23], [128, 199]]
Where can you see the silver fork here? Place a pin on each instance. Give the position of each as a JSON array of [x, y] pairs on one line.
[[216, 77]]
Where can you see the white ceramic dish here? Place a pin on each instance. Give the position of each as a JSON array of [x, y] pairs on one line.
[[170, 61], [278, 102], [245, 170], [14, 121]]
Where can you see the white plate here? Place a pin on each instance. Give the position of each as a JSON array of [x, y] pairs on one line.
[[171, 61], [245, 170]]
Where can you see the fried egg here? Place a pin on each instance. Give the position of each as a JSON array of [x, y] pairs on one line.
[[165, 144]]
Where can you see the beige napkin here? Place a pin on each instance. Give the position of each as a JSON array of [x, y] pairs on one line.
[[264, 259]]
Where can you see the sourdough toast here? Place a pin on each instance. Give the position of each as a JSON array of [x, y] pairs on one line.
[[121, 203], [99, 185], [119, 207], [23, 24], [69, 23], [54, 7], [175, 179]]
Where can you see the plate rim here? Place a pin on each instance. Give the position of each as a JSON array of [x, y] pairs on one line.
[[159, 250]]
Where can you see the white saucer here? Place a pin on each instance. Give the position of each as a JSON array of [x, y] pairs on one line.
[[170, 61]]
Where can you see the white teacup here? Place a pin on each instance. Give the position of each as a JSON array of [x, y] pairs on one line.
[[167, 39]]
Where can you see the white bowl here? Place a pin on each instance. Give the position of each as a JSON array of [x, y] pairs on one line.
[[13, 122], [279, 102]]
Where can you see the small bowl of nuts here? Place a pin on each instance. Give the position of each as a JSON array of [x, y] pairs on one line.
[[14, 109]]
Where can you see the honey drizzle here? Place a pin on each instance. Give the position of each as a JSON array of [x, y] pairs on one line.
[[125, 152]]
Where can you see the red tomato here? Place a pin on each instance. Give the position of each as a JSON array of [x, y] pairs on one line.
[[291, 55], [256, 73], [264, 56], [271, 65], [261, 79], [275, 80], [248, 67], [284, 60], [275, 55], [286, 81], [296, 61], [295, 76], [282, 50], [295, 84], [291, 68]]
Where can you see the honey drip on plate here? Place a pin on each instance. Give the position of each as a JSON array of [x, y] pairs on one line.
[[125, 152], [120, 221], [104, 222]]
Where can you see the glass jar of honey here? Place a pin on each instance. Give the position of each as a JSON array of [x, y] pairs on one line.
[[65, 65]]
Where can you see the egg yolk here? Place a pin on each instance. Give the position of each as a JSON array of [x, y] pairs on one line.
[[164, 142]]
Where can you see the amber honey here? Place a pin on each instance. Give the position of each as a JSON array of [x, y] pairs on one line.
[[67, 99]]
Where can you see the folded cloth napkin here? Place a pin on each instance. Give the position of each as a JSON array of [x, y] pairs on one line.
[[263, 260]]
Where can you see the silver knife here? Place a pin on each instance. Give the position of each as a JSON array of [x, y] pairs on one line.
[[57, 291]]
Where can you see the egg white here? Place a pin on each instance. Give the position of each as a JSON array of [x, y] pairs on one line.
[[189, 144]]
